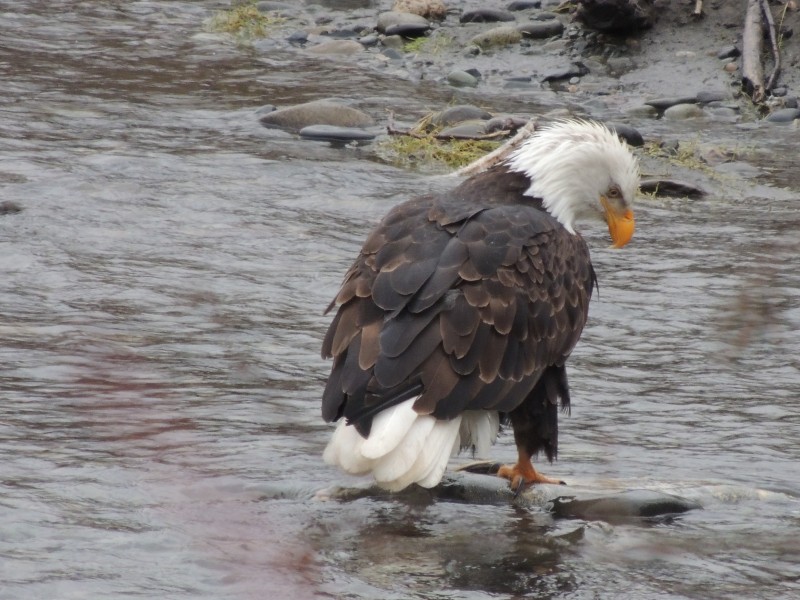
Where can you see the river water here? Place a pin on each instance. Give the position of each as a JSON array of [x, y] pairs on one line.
[[160, 378]]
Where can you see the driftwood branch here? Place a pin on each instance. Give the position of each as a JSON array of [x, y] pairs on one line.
[[752, 71], [776, 51], [500, 153]]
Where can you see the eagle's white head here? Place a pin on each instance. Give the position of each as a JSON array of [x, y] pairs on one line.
[[581, 170]]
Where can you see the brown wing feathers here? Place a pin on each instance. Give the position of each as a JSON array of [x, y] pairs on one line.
[[467, 305]]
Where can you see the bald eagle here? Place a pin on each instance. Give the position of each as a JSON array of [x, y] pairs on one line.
[[462, 308]]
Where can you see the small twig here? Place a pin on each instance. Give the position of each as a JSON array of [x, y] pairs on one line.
[[698, 8], [392, 130], [776, 51]]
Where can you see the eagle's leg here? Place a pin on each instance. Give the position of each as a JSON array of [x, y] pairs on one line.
[[523, 473]]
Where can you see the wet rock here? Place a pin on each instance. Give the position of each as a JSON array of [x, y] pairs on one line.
[[544, 16], [458, 114], [576, 69], [784, 115], [705, 97], [461, 79], [671, 187], [630, 134], [393, 41], [337, 47], [497, 38], [505, 123], [728, 52], [779, 92], [368, 41], [645, 110], [622, 506], [9, 207], [430, 9], [790, 102], [298, 38], [317, 112], [332, 133], [683, 111], [615, 16], [397, 23], [486, 15], [524, 4], [392, 54], [464, 131], [665, 103], [731, 67], [539, 30], [619, 65]]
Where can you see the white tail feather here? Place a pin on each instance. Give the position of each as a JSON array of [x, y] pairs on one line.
[[404, 447], [403, 457], [388, 428]]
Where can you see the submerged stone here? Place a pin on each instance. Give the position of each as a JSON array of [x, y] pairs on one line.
[[665, 103], [524, 4], [784, 115], [408, 22], [628, 133], [331, 133], [317, 112], [683, 111], [497, 37], [461, 79], [621, 506]]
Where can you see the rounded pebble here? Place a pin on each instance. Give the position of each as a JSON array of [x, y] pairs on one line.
[[461, 79], [458, 114], [332, 47], [539, 30], [486, 15], [317, 112], [784, 115], [683, 111], [524, 4], [409, 22], [664, 103]]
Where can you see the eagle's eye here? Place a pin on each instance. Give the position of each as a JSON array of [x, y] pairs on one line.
[[614, 192]]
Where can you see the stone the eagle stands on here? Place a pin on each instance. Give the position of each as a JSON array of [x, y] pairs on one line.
[[462, 308]]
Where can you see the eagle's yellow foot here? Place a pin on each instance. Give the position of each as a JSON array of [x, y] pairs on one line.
[[522, 474]]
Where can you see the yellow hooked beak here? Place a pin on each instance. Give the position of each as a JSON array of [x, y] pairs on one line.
[[620, 224]]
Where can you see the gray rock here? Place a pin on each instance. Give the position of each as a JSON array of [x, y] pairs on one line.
[[645, 110], [505, 123], [486, 15], [615, 16], [708, 96], [409, 21], [790, 102], [332, 133], [630, 134], [497, 38], [409, 30], [393, 41], [336, 47], [392, 54], [459, 114], [544, 16], [266, 109], [780, 91], [784, 115], [575, 69], [524, 4], [683, 111], [464, 131], [671, 187], [461, 79], [298, 37], [317, 112], [665, 103], [539, 30], [368, 41], [9, 207], [728, 52]]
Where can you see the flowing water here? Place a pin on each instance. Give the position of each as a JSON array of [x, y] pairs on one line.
[[160, 378]]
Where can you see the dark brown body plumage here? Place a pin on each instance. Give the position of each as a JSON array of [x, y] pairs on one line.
[[470, 299]]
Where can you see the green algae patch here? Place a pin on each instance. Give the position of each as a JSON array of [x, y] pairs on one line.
[[243, 21], [422, 148]]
